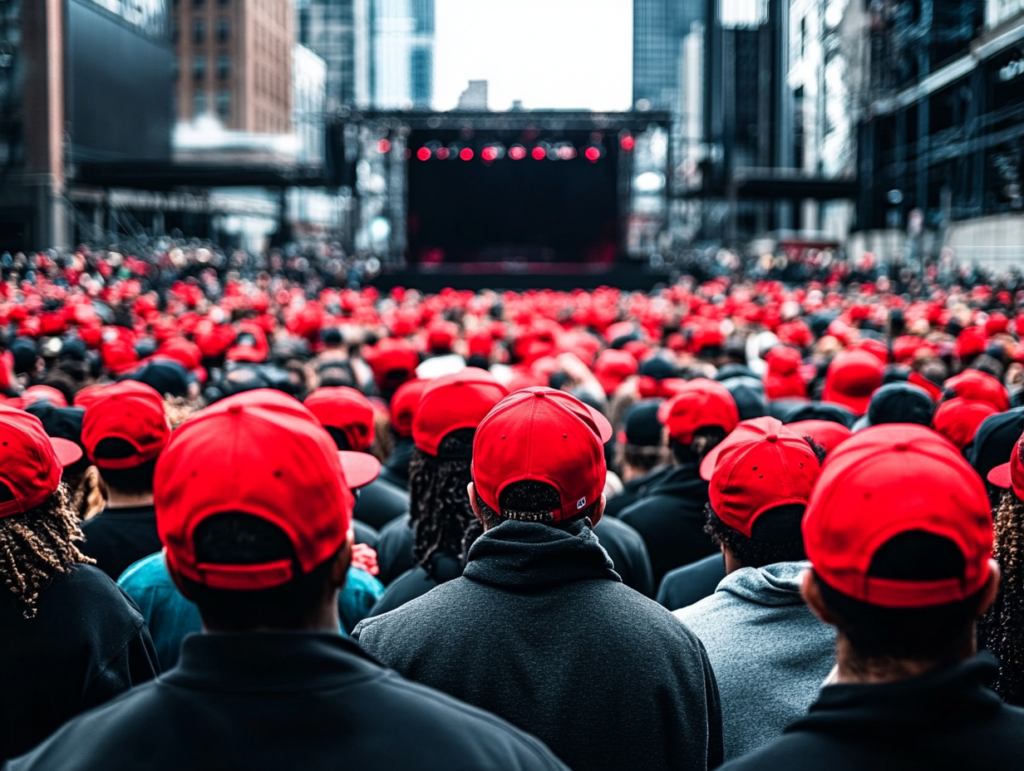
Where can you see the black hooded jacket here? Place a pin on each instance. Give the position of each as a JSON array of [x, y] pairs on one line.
[[634, 490], [671, 520], [396, 470], [540, 630], [395, 560], [380, 502], [949, 719], [284, 700]]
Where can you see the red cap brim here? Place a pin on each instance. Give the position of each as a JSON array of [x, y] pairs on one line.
[[707, 466], [604, 428], [359, 468], [1000, 476], [67, 452]]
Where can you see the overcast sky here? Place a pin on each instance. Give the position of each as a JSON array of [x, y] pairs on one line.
[[548, 53]]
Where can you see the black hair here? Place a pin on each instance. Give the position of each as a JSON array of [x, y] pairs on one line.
[[530, 501], [643, 457], [774, 537], [340, 440], [137, 480], [932, 634], [235, 538], [705, 439], [438, 502]]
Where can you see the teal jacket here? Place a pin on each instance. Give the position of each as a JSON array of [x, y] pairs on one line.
[[170, 617]]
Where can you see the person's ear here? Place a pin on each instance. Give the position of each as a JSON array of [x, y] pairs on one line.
[[595, 517], [340, 565], [991, 590], [474, 503], [811, 593]]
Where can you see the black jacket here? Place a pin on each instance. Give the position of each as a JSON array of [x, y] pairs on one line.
[[365, 534], [633, 491], [284, 701], [380, 502], [396, 470], [87, 644], [540, 630], [691, 583], [671, 520], [118, 538], [395, 558], [946, 720]]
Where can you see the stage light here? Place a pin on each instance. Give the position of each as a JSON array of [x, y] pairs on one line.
[[489, 154], [627, 142], [517, 152], [539, 153], [423, 153], [466, 154], [442, 153], [592, 154], [384, 146]]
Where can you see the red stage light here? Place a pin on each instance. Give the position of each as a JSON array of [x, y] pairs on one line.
[[423, 153], [489, 154], [539, 153], [442, 153], [592, 154], [517, 152], [466, 154], [628, 143], [384, 146]]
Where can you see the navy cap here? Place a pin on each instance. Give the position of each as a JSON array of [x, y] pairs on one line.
[[995, 439], [900, 403], [641, 425]]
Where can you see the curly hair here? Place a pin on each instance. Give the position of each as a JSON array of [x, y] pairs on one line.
[[776, 536], [39, 544], [1001, 629], [438, 502]]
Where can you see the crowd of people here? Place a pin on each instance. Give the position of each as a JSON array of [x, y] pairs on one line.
[[253, 519]]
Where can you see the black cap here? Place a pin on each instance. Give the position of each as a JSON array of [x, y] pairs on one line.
[[641, 425], [62, 423], [748, 393], [25, 354], [331, 336], [74, 349], [900, 403], [896, 373], [817, 411], [995, 439], [167, 377], [658, 368], [730, 371], [781, 408]]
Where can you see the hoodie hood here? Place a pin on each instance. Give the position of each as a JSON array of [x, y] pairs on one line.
[[773, 585], [681, 482], [525, 556]]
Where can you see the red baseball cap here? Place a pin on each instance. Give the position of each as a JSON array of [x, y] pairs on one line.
[[544, 435], [981, 386], [127, 410], [916, 378], [393, 361], [762, 464], [1011, 474], [959, 418], [885, 481], [43, 393], [698, 403], [613, 367], [826, 433], [250, 344], [346, 409], [852, 377], [30, 461], [259, 453], [453, 402], [405, 403]]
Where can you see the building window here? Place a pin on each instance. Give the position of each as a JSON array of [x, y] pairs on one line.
[[224, 104], [199, 68], [199, 105], [423, 13], [199, 32], [223, 66], [223, 30], [420, 75]]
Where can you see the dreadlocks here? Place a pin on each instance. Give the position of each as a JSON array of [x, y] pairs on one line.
[[438, 502], [1002, 629], [37, 545]]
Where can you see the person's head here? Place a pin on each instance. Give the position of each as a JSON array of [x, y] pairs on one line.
[[346, 414], [539, 457], [899, 535], [761, 477], [697, 418], [124, 430], [254, 508], [393, 361], [613, 367], [978, 386], [826, 434], [642, 446], [39, 527], [959, 419], [900, 403], [446, 419], [852, 377], [404, 405]]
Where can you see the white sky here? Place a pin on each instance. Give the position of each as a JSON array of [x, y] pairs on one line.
[[548, 53]]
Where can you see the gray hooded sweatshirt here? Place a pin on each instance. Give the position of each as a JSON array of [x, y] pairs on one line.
[[770, 654]]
